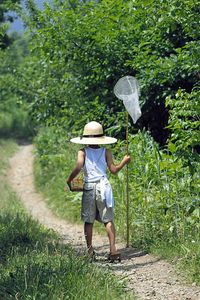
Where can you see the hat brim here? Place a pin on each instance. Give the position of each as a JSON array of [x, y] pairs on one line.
[[104, 140]]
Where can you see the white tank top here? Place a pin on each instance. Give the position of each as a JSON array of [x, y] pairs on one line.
[[95, 170], [95, 164]]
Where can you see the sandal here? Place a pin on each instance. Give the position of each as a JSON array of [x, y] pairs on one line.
[[113, 257]]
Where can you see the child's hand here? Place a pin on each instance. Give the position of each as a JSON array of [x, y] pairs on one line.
[[126, 159]]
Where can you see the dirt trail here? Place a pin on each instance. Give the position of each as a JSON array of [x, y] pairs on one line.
[[150, 277]]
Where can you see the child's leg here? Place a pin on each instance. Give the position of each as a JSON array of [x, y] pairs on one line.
[[110, 228], [88, 227]]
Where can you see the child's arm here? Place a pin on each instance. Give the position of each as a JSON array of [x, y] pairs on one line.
[[114, 169], [78, 167]]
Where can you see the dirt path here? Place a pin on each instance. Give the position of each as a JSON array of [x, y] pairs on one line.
[[150, 277]]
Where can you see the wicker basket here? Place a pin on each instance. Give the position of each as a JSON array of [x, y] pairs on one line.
[[77, 185]]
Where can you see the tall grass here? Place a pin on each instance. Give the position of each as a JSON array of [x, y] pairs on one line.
[[33, 262], [164, 195], [55, 158], [164, 204]]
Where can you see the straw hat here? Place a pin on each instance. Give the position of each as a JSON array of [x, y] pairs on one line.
[[93, 135]]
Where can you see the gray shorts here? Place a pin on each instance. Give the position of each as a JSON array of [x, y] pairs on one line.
[[93, 207]]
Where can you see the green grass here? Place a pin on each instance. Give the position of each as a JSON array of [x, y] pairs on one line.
[[63, 203], [33, 263]]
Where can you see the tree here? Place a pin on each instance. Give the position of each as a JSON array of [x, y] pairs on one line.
[[6, 17], [86, 47]]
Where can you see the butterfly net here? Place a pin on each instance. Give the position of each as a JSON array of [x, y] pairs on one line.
[[127, 89]]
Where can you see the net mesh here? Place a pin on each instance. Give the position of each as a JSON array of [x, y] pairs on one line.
[[127, 89]]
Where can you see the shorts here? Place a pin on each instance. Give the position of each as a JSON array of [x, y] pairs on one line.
[[93, 207]]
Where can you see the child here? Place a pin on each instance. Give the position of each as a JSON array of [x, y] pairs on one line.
[[97, 199]]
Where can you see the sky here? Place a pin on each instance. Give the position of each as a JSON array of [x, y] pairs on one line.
[[17, 25]]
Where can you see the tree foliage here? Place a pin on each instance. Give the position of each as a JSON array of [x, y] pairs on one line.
[[6, 7], [85, 47], [184, 123], [14, 119]]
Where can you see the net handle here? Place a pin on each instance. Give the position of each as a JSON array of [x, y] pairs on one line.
[[127, 188]]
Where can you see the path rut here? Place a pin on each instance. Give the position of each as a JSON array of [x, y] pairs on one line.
[[150, 277]]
